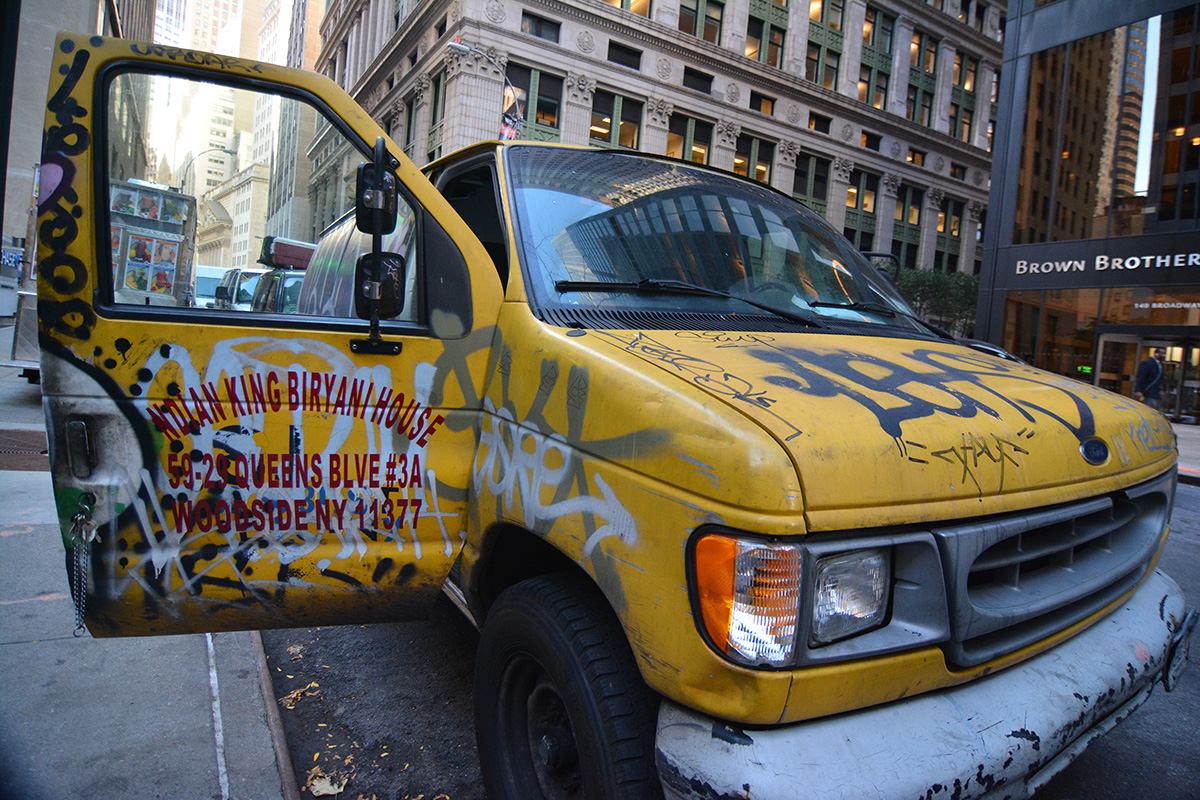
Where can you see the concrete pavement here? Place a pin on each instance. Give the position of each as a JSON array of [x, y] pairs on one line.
[[100, 719]]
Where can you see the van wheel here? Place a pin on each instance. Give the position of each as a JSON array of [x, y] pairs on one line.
[[560, 708]]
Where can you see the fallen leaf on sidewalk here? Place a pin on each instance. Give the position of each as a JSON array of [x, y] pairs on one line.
[[322, 785], [295, 650], [290, 699]]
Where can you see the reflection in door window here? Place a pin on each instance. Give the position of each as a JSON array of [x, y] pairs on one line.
[[241, 181]]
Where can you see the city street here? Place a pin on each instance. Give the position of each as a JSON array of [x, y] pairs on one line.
[[381, 711]]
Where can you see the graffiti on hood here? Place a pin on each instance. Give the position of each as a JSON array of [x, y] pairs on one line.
[[958, 381]]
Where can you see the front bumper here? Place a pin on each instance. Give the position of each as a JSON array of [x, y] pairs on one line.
[[1004, 735]]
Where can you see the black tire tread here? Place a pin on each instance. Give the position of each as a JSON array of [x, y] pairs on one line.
[[592, 632]]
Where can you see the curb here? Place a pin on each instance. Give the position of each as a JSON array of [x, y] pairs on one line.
[[283, 757], [1189, 476]]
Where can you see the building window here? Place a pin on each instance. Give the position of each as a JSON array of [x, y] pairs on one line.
[[625, 56], [762, 103], [861, 197], [965, 71], [753, 157], [872, 141], [822, 64], [543, 88], [958, 171], [819, 122], [616, 120], [697, 80], [873, 87], [811, 183], [923, 53], [919, 108], [639, 7], [764, 42], [960, 122], [702, 18], [827, 12], [908, 205], [877, 30], [689, 139], [540, 27]]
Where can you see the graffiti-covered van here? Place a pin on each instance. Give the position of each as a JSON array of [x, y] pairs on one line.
[[731, 519]]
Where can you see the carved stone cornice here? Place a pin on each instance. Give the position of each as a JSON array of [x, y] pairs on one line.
[[891, 184], [580, 88], [934, 198], [975, 211], [727, 131], [787, 152], [659, 112], [842, 167]]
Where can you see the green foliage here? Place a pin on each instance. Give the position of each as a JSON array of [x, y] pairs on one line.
[[948, 299]]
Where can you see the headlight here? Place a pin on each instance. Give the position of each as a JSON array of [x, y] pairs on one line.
[[852, 591], [749, 593]]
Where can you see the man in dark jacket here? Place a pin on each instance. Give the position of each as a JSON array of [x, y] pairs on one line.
[[1148, 386]]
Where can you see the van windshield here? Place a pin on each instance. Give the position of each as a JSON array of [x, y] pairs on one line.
[[586, 218]]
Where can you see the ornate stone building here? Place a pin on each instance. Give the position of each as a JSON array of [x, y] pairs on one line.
[[879, 114]]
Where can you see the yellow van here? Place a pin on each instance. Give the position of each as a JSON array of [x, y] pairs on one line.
[[731, 520]]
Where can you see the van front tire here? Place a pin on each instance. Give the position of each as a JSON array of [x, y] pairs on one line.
[[560, 708]]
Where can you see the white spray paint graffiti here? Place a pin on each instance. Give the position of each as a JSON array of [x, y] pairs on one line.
[[251, 356], [520, 472]]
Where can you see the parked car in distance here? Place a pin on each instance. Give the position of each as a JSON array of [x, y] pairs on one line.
[[204, 294], [236, 289], [277, 291]]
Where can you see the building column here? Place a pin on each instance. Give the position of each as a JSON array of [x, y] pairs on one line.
[[970, 232], [839, 185], [885, 211], [724, 148], [474, 93], [421, 120], [901, 66], [929, 215], [795, 42], [947, 49], [983, 103], [853, 17], [733, 27], [577, 108], [783, 171], [658, 120], [667, 13]]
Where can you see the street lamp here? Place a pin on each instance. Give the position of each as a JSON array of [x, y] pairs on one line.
[[519, 127], [183, 170]]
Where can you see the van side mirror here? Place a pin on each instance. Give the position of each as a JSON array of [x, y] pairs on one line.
[[375, 192], [390, 285], [221, 295], [893, 276]]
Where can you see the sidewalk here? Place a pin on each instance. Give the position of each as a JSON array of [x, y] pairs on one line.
[[107, 719], [1189, 453], [155, 717]]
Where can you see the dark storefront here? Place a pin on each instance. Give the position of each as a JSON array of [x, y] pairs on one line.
[[1095, 256]]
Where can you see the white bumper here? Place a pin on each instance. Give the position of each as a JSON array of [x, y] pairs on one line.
[[1000, 736]]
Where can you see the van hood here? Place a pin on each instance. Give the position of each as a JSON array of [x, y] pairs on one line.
[[888, 430]]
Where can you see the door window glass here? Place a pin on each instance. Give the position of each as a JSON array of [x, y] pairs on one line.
[[250, 188]]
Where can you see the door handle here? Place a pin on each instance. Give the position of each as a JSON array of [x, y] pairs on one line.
[[79, 448]]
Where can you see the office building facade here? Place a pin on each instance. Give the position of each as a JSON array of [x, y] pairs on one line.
[[878, 114], [1094, 253]]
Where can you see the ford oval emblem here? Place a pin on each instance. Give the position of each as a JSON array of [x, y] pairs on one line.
[[1094, 451]]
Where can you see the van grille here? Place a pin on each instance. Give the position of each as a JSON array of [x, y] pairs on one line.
[[1014, 580]]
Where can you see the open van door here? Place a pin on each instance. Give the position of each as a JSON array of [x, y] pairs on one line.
[[221, 469]]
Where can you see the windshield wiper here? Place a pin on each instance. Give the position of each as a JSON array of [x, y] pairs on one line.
[[659, 286], [879, 308]]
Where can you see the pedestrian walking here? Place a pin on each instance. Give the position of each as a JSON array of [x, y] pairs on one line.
[[1148, 386]]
